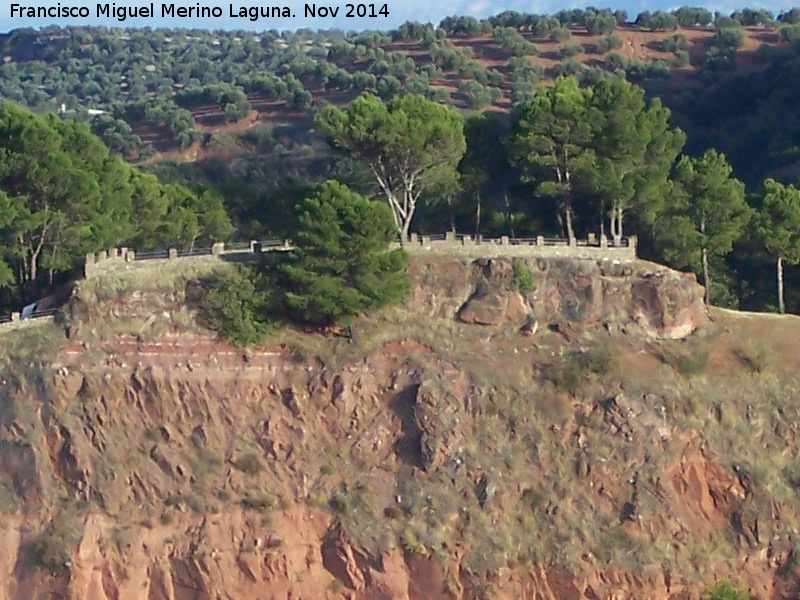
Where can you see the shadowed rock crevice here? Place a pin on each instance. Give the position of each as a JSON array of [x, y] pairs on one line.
[[408, 446]]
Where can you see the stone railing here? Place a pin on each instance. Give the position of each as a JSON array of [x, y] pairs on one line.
[[15, 320], [620, 249], [449, 244], [115, 258], [596, 248]]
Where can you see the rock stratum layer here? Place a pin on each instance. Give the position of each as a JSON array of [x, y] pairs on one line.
[[428, 458]]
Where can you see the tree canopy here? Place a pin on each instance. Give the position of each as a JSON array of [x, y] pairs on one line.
[[411, 145], [705, 215], [63, 194], [552, 140], [778, 222], [342, 263]]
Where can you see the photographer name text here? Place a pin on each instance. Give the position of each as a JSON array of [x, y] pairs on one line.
[[197, 11]]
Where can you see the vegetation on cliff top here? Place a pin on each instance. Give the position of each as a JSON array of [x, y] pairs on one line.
[[342, 266], [180, 85]]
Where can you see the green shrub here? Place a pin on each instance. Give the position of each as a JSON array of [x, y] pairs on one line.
[[609, 43], [236, 306], [571, 66], [560, 34], [676, 42], [248, 463], [570, 50], [615, 61], [754, 357], [53, 548], [723, 590], [259, 502], [728, 37], [522, 276], [687, 364], [681, 58], [343, 263], [578, 367], [789, 33], [600, 360]]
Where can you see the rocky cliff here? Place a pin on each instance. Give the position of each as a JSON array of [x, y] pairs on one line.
[[478, 442], [640, 297]]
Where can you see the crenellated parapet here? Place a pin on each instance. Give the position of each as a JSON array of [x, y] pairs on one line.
[[593, 248]]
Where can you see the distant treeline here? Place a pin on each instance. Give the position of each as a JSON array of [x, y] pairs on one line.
[[166, 71]]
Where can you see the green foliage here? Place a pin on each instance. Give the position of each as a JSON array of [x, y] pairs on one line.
[[689, 16], [778, 225], [237, 304], [551, 138], [657, 21], [681, 58], [478, 96], [575, 370], [560, 34], [230, 100], [608, 43], [705, 215], [604, 139], [523, 277], [723, 590], [600, 23], [513, 43], [569, 50], [63, 194], [778, 220], [53, 548], [688, 362], [675, 42], [789, 33], [756, 357], [728, 37], [342, 265], [412, 146], [248, 464], [635, 148]]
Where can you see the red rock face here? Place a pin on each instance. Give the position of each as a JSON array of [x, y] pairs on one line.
[[641, 298], [377, 474]]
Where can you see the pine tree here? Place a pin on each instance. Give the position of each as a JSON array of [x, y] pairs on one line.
[[552, 139], [706, 213], [411, 145], [342, 264], [779, 225]]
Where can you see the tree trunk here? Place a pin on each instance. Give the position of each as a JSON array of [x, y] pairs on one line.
[[706, 282], [602, 218], [619, 222], [404, 231], [452, 216], [508, 215], [478, 216], [614, 219], [781, 303], [570, 232]]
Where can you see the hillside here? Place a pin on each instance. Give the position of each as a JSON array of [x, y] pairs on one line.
[[600, 436], [192, 94]]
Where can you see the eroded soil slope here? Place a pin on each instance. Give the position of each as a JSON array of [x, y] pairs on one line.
[[475, 443]]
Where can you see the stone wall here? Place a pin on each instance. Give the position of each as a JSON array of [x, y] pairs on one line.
[[125, 259], [622, 250], [449, 244], [17, 322]]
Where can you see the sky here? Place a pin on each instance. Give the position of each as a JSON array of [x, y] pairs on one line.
[[399, 11]]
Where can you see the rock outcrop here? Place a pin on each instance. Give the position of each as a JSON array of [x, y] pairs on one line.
[[639, 297], [180, 468]]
